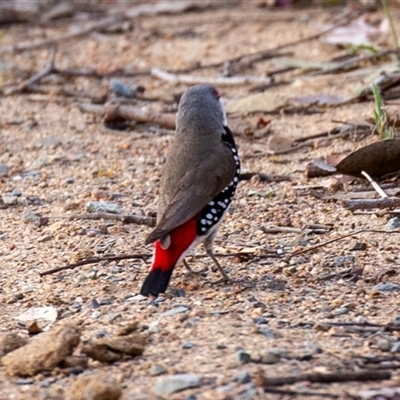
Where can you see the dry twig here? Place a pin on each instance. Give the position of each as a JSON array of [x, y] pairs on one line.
[[125, 219], [48, 69], [368, 204], [219, 80], [346, 376], [143, 115]]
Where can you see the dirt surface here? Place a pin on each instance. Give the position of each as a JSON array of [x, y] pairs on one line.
[[55, 159]]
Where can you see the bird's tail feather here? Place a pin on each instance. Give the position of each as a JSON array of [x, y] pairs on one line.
[[156, 282]]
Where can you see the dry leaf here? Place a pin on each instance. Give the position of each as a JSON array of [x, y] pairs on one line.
[[376, 159]]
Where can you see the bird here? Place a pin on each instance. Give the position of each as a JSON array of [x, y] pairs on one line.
[[197, 185]]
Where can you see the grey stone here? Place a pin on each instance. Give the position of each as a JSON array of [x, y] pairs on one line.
[[175, 310], [9, 199], [242, 377], [388, 287], [243, 356], [4, 170], [270, 357], [102, 206], [342, 261], [176, 383], [157, 369], [341, 311], [393, 223], [384, 344], [188, 345]]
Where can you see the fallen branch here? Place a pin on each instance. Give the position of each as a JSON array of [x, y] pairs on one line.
[[142, 115], [346, 376], [95, 260], [368, 204], [125, 219], [48, 69], [218, 81]]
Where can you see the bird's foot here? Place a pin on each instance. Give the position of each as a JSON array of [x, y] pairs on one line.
[[191, 271]]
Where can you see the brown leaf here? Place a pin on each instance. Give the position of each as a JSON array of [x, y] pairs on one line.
[[377, 159]]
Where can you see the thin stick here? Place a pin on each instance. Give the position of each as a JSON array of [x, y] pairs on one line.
[[296, 253], [218, 81], [93, 261], [48, 69], [345, 376], [378, 189], [126, 219]]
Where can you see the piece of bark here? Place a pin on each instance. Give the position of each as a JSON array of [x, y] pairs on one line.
[[368, 204]]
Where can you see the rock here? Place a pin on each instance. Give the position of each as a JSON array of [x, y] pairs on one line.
[[30, 216], [75, 361], [260, 320], [102, 206], [11, 341], [114, 348], [157, 369], [4, 170], [341, 311], [99, 386], [9, 199], [388, 287], [122, 89], [270, 357], [176, 383], [393, 223], [43, 352], [175, 310], [384, 344], [242, 377], [353, 246], [344, 261], [188, 345], [127, 329], [243, 357], [37, 318]]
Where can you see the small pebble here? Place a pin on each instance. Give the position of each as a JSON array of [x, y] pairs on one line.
[[392, 224], [4, 170], [354, 246], [384, 344], [242, 377], [243, 356], [157, 369], [188, 345], [102, 206], [176, 383], [341, 311], [9, 199], [388, 287], [342, 261], [260, 321], [270, 357], [95, 304], [175, 310]]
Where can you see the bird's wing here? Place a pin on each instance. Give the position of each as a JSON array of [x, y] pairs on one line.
[[194, 189]]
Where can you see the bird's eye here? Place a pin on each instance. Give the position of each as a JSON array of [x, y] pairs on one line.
[[215, 93]]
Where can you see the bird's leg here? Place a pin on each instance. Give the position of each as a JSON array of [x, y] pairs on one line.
[[208, 245], [192, 271]]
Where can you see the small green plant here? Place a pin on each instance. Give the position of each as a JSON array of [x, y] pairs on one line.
[[391, 23], [380, 116]]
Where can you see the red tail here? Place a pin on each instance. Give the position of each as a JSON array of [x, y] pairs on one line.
[[164, 260]]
